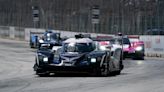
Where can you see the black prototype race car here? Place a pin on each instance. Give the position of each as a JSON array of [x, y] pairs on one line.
[[80, 55]]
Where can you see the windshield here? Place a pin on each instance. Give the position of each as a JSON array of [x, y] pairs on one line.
[[125, 41], [52, 36], [78, 47], [119, 41]]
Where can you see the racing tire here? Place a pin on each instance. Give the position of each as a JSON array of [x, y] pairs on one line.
[[105, 68], [39, 73], [100, 72], [121, 66], [31, 45], [104, 71], [42, 74], [95, 73]]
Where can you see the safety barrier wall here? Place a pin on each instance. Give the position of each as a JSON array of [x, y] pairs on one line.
[[19, 33], [4, 31], [154, 45], [24, 33]]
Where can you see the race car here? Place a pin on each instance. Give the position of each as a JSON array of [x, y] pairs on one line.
[[34, 39], [119, 41], [38, 38], [107, 42], [78, 55], [52, 38], [138, 47], [124, 43]]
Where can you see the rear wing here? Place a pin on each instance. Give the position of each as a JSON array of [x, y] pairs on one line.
[[133, 37], [102, 38]]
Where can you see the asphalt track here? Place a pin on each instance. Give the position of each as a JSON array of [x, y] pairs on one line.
[[17, 75]]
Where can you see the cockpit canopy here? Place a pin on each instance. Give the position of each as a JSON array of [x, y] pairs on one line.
[[78, 45]]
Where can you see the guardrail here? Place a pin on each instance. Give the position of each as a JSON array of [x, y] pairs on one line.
[[154, 45]]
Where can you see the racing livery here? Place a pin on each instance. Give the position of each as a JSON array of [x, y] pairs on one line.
[[78, 55]]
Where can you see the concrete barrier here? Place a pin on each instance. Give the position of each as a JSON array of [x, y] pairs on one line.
[[154, 45], [19, 33], [12, 32], [4, 31], [28, 30]]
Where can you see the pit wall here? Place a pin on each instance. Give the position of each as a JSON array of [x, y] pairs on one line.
[[154, 45]]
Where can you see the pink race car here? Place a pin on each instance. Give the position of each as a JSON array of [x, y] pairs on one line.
[[128, 50], [138, 47], [123, 42]]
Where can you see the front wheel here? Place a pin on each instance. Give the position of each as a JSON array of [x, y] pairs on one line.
[[121, 66], [104, 71], [40, 72], [100, 72]]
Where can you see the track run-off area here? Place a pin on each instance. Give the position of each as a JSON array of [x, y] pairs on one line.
[[17, 75]]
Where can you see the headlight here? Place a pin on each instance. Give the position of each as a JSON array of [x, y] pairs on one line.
[[48, 39], [45, 59], [41, 41], [93, 60], [138, 48], [102, 47]]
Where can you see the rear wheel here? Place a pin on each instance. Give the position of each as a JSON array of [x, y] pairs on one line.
[[99, 72]]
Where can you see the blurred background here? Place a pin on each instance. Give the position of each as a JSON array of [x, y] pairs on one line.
[[96, 16]]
